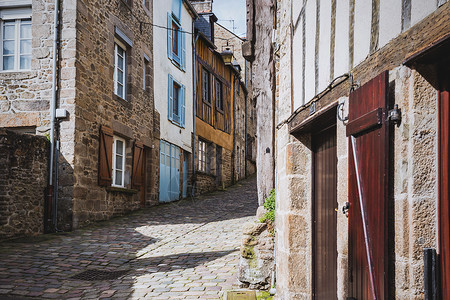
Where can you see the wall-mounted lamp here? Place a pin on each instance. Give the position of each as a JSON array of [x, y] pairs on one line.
[[227, 56]]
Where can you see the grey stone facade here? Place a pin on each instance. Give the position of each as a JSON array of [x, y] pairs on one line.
[[23, 183], [88, 31]]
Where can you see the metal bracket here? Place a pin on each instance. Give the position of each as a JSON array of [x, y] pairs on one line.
[[395, 115]]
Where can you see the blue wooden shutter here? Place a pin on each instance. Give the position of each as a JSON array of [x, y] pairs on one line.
[[169, 35], [176, 8], [183, 105], [183, 50], [170, 97]]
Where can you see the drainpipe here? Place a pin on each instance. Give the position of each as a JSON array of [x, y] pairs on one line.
[[194, 64], [245, 131], [51, 200]]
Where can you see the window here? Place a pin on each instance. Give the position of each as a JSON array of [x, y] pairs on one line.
[[206, 86], [146, 74], [175, 44], [202, 156], [177, 98], [120, 57], [16, 39], [176, 49], [219, 94], [118, 163]]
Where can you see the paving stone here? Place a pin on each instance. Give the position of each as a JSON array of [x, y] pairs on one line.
[[189, 245]]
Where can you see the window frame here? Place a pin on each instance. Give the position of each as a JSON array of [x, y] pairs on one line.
[[178, 58], [219, 95], [118, 44], [202, 156], [146, 74], [206, 86], [181, 102], [114, 157], [16, 16]]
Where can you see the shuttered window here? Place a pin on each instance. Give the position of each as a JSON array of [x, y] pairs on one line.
[[138, 165], [219, 95], [176, 42], [177, 102], [105, 157]]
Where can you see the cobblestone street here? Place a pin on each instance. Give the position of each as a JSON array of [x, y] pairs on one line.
[[183, 250]]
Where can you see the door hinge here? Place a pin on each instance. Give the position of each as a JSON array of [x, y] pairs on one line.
[[395, 115]]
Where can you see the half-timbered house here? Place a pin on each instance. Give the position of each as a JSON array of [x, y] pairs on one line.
[[362, 145]]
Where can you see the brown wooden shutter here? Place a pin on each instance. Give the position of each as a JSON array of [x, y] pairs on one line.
[[369, 184], [444, 183], [138, 163], [105, 157]]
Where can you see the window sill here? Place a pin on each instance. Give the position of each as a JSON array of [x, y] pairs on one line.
[[122, 101], [121, 190], [176, 64], [17, 75], [177, 124]]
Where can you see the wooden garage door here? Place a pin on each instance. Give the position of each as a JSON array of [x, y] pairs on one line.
[[368, 189], [324, 214]]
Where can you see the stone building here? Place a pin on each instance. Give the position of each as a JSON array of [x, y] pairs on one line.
[[173, 88], [106, 136], [361, 187]]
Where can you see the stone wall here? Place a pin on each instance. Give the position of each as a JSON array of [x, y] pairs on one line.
[[208, 181], [23, 182], [25, 95], [97, 105]]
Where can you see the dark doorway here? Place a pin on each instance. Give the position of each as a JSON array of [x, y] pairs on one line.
[[324, 214]]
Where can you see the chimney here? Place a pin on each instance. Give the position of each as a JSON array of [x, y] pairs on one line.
[[202, 6]]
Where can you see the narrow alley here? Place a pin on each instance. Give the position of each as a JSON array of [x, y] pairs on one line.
[[183, 250]]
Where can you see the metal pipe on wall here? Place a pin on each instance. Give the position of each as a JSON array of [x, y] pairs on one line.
[[51, 200]]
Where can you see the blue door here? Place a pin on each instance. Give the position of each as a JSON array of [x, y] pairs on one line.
[[169, 179], [184, 175]]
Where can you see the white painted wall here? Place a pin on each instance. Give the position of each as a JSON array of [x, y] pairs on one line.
[[297, 66], [420, 9], [163, 66], [390, 21], [310, 26], [363, 21], [324, 42], [341, 52]]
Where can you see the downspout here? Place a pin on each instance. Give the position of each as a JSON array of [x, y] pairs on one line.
[[273, 289], [233, 153], [194, 64], [245, 133], [51, 200]]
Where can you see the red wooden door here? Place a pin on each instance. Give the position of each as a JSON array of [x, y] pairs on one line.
[[444, 182], [324, 214], [368, 134]]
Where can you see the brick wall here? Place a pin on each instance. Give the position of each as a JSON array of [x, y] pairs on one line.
[[23, 181]]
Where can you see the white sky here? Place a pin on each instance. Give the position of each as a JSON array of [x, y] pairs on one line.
[[231, 10]]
